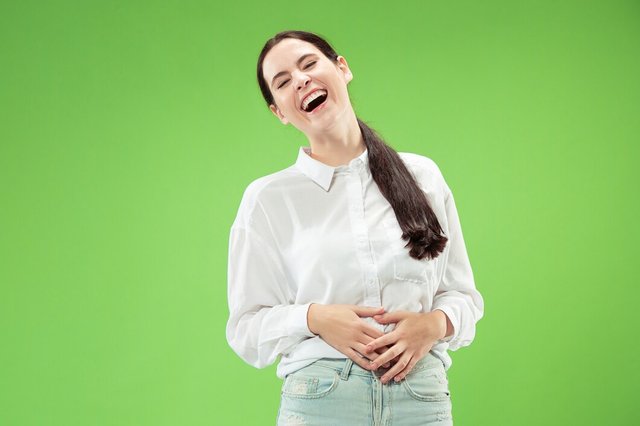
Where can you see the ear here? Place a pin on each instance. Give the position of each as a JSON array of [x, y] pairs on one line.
[[344, 67], [274, 109]]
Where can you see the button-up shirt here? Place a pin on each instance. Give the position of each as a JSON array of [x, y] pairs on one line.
[[314, 233]]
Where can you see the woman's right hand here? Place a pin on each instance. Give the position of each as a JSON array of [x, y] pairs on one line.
[[341, 327]]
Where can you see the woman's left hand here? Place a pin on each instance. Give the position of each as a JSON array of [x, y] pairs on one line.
[[413, 337]]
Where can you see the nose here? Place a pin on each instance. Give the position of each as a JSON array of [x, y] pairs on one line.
[[302, 81]]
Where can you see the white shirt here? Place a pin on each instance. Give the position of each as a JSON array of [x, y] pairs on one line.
[[323, 234]]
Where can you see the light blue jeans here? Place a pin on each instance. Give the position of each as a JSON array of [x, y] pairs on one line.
[[340, 392]]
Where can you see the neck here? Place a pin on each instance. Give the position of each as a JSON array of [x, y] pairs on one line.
[[338, 145]]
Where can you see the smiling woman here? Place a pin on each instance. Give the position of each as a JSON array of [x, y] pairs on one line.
[[349, 265]]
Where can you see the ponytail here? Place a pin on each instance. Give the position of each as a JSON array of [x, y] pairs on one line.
[[417, 220]]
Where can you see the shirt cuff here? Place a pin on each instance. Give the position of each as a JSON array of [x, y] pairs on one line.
[[298, 325], [454, 322]]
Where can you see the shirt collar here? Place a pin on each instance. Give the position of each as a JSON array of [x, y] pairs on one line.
[[321, 173]]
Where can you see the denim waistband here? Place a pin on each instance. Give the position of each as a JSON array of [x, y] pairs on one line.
[[346, 367]]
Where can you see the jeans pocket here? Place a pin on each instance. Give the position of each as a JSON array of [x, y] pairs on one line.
[[428, 384], [312, 381], [407, 268]]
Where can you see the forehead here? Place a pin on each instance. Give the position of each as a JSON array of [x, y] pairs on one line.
[[284, 55]]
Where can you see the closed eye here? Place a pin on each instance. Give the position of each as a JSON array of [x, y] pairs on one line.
[[305, 67]]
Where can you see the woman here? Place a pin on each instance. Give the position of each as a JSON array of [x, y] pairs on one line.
[[350, 264]]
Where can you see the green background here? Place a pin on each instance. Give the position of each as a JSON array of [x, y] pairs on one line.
[[129, 130]]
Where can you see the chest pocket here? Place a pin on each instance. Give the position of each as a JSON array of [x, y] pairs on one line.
[[405, 267]]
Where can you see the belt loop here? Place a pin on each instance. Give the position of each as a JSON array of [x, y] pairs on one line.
[[344, 375]]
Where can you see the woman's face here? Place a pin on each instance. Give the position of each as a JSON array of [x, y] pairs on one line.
[[293, 69]]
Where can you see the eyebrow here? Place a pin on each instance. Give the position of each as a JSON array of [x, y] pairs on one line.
[[300, 59]]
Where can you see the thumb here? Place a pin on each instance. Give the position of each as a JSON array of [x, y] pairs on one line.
[[367, 311]]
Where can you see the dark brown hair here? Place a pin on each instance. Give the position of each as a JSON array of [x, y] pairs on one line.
[[417, 220]]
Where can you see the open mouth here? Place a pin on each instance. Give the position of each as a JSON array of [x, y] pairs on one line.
[[319, 98]]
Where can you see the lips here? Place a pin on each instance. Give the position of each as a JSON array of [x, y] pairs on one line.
[[302, 101]]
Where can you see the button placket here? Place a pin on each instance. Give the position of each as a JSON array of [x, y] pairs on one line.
[[363, 246]]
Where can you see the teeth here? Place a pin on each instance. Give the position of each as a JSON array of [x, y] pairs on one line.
[[314, 95]]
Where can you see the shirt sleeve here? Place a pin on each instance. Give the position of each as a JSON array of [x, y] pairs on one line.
[[264, 322], [457, 295]]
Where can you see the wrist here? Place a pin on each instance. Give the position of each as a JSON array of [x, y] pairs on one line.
[[445, 324], [441, 323], [312, 318]]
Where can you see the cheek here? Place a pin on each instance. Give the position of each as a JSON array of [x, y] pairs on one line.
[[285, 103], [292, 105], [340, 94]]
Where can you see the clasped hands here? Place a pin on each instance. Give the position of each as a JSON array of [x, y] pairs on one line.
[[414, 335]]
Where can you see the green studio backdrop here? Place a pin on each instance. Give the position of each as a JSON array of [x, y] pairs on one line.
[[130, 129]]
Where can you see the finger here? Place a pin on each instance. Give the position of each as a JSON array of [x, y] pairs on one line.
[[364, 340], [387, 364], [393, 352], [390, 317], [394, 360], [360, 348], [397, 368], [382, 350], [407, 369], [386, 340], [357, 358], [371, 331], [367, 311]]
